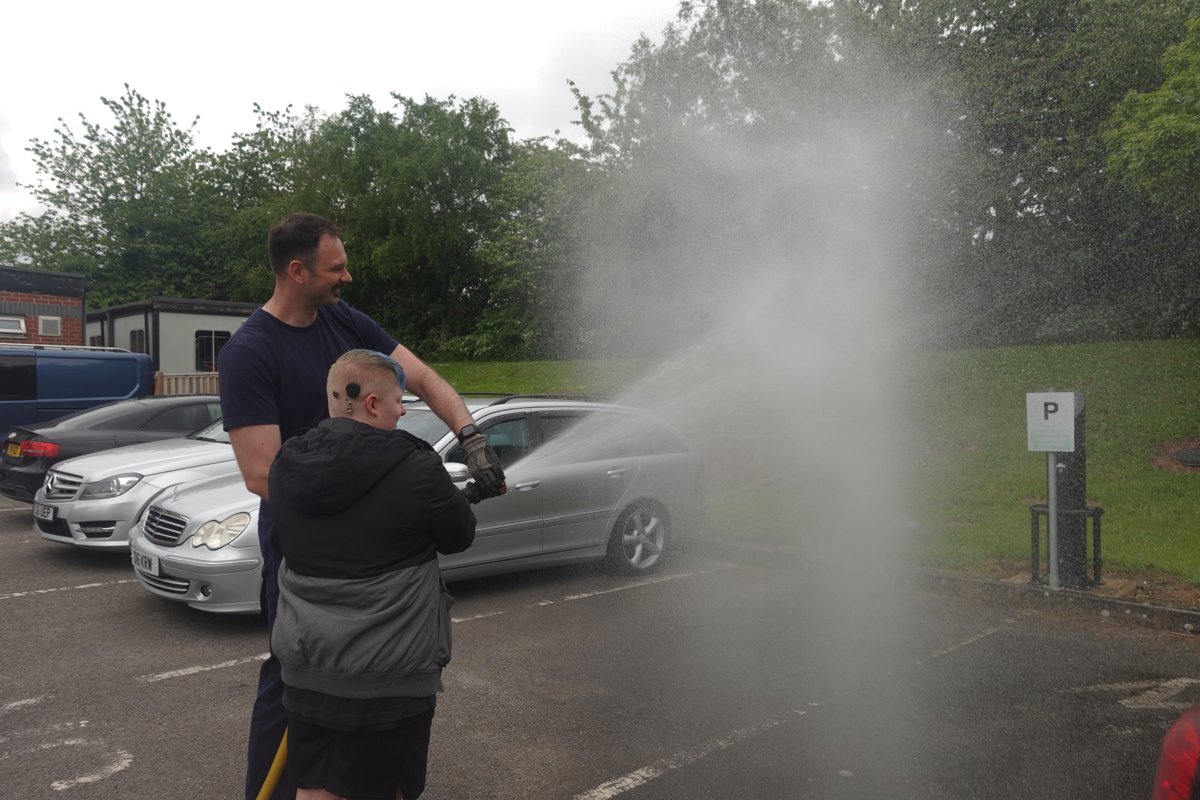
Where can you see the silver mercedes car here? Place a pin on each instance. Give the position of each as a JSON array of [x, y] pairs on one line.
[[586, 481], [93, 500]]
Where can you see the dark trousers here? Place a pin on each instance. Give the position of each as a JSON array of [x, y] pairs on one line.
[[268, 720]]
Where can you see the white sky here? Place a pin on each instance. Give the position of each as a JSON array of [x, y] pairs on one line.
[[216, 58]]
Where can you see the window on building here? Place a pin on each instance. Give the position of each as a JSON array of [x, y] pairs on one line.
[[96, 341], [208, 348], [137, 341], [50, 326], [12, 326]]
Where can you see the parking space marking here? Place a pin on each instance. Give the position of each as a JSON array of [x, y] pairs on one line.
[[646, 582], [32, 592], [186, 671], [18, 704], [122, 761], [625, 783], [55, 728], [978, 637], [1153, 694], [484, 615]]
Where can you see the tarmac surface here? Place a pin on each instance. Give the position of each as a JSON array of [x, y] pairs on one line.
[[1107, 601]]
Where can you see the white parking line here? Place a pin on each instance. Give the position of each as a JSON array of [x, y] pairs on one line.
[[122, 761], [55, 728], [618, 786], [31, 592], [18, 704], [976, 637], [181, 673], [484, 615], [647, 582]]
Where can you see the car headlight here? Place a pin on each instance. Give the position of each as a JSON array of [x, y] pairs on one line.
[[111, 487], [214, 535]]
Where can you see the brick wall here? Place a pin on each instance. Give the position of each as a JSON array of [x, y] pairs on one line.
[[31, 305]]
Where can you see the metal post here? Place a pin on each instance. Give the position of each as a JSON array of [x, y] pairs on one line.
[[1052, 520]]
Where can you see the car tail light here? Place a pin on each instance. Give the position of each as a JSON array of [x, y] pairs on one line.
[[34, 449]]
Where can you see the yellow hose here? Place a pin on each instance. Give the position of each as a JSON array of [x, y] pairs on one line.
[[276, 771]]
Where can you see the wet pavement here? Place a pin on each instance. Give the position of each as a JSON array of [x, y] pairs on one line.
[[733, 672]]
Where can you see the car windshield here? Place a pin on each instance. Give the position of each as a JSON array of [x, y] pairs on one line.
[[96, 417], [212, 432], [423, 424]]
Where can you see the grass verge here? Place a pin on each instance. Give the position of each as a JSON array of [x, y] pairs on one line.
[[970, 478]]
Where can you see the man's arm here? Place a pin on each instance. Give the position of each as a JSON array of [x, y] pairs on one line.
[[425, 383], [255, 447], [441, 397]]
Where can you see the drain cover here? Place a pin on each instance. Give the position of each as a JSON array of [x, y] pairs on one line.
[[1189, 457]]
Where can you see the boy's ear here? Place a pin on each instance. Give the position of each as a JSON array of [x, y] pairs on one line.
[[371, 403]]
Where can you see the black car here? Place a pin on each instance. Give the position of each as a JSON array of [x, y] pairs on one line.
[[30, 451]]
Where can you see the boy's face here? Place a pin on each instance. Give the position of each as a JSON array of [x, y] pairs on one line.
[[388, 406]]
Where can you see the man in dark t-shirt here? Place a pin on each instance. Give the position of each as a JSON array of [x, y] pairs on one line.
[[273, 372]]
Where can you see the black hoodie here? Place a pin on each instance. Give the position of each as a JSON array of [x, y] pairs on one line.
[[352, 501], [361, 514]]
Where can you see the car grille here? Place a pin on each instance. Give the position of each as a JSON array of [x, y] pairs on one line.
[[56, 527], [62, 485], [165, 583], [164, 527]]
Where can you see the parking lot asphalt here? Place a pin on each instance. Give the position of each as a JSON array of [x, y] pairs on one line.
[[753, 672], [1017, 590]]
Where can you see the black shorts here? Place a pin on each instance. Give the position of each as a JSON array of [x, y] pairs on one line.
[[360, 765]]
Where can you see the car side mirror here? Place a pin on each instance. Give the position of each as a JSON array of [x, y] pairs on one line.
[[458, 472]]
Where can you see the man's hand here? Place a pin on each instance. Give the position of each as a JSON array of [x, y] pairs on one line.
[[485, 467]]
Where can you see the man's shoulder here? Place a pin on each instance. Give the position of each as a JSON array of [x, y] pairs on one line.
[[254, 326], [343, 313]]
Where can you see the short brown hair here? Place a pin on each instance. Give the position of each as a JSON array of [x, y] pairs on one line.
[[296, 237]]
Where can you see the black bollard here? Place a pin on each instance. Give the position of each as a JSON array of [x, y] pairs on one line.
[[1071, 475]]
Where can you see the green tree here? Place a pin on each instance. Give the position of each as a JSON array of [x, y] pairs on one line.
[[532, 262], [413, 189], [127, 205], [258, 179], [1154, 136]]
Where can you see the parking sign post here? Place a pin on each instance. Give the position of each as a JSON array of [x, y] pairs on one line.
[[1050, 428]]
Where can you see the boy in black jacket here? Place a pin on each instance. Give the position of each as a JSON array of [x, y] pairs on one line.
[[362, 631]]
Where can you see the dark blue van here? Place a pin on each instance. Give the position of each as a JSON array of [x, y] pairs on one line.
[[39, 383]]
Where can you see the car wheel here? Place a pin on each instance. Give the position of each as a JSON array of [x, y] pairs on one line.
[[639, 540]]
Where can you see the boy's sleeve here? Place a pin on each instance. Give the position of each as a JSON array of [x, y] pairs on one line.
[[452, 519]]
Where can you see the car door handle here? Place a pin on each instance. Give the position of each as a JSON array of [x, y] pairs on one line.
[[525, 487], [616, 472]]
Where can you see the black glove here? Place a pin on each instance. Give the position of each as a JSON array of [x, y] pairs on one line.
[[472, 493], [485, 467]]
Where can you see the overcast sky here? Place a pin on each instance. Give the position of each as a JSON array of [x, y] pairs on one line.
[[216, 59]]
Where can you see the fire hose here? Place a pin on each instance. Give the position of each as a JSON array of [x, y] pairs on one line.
[[276, 771]]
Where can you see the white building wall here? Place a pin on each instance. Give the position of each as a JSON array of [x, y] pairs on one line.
[[177, 337]]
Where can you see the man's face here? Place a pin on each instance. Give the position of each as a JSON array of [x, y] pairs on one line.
[[328, 272]]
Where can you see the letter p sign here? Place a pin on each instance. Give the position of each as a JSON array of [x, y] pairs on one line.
[[1050, 420]]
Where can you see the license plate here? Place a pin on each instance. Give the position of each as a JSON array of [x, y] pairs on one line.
[[44, 513], [144, 562], [13, 449]]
